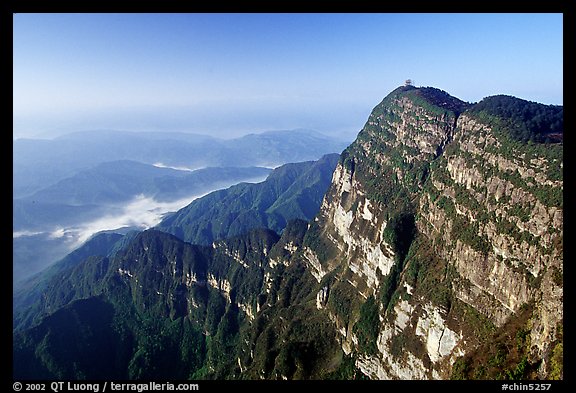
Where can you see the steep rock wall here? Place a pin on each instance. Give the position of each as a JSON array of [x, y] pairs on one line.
[[486, 214]]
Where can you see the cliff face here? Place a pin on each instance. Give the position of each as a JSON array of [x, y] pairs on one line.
[[455, 229]]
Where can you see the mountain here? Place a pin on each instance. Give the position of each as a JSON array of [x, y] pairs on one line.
[[437, 253], [452, 227], [82, 196], [26, 296], [41, 163], [68, 188], [153, 333], [291, 191], [111, 195], [279, 147]]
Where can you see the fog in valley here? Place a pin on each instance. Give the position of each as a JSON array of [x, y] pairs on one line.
[[71, 187], [140, 213]]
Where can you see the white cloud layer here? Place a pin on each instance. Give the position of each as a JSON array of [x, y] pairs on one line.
[[17, 234], [142, 212], [178, 168]]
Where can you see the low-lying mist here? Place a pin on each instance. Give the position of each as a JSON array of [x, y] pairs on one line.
[[35, 251], [141, 213]]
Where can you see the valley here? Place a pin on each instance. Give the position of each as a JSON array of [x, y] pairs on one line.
[[72, 187]]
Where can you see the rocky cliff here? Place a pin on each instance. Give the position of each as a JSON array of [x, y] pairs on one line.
[[451, 229]]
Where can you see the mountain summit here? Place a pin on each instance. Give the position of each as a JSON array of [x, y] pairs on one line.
[[450, 227], [437, 253]]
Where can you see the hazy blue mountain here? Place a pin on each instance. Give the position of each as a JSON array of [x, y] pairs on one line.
[[279, 147], [40, 163], [33, 253], [61, 187], [27, 293], [290, 191], [49, 223], [112, 183]]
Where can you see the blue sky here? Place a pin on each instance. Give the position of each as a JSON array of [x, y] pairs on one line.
[[228, 74]]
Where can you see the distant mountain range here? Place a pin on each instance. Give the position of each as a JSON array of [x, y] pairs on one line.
[[65, 187], [41, 163], [113, 195], [83, 195], [290, 191]]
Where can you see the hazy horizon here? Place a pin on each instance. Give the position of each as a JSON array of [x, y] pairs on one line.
[[57, 132], [227, 75], [49, 126]]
